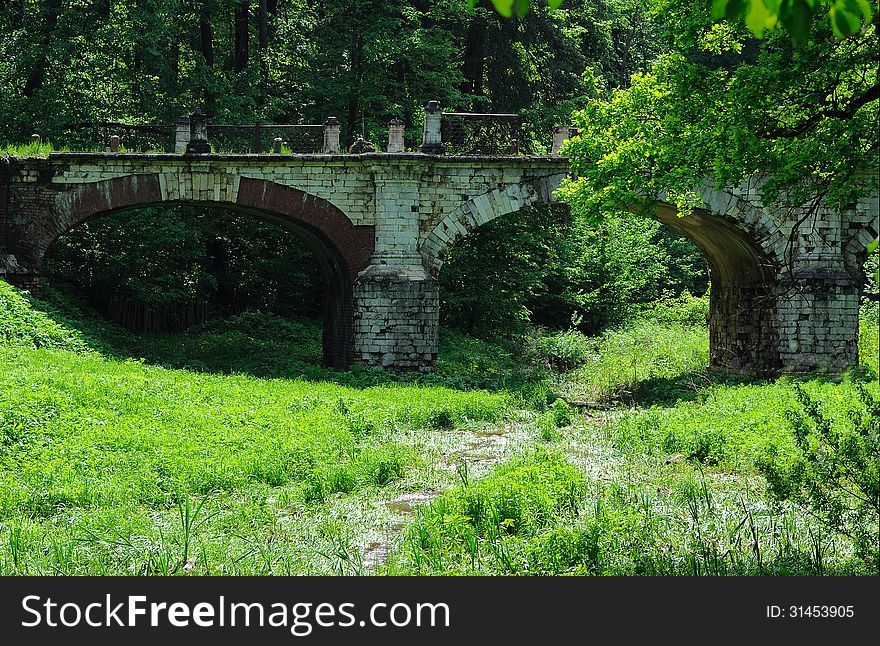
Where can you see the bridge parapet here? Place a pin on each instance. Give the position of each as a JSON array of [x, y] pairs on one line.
[[444, 133]]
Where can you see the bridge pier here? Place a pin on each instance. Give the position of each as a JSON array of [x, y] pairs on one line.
[[396, 318], [742, 335], [817, 320], [396, 302]]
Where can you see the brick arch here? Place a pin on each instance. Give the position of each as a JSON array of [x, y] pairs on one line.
[[342, 248], [479, 210], [354, 244], [742, 336]]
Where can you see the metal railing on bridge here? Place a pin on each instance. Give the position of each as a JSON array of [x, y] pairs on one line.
[[445, 133], [97, 136], [468, 133], [261, 138]]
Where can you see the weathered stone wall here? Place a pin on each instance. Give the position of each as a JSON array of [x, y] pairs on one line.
[[801, 313], [367, 215], [396, 320]]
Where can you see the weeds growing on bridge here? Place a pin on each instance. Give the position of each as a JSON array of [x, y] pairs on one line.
[[31, 149]]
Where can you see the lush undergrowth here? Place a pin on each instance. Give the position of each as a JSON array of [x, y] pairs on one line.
[[672, 489], [99, 457], [226, 450], [664, 476]]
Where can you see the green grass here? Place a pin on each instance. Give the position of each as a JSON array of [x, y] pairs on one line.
[[86, 439], [99, 455], [228, 451], [666, 485], [30, 149], [23, 324]]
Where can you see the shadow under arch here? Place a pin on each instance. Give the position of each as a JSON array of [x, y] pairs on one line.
[[341, 248]]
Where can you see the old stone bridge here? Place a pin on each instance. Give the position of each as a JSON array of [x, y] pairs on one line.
[[783, 299]]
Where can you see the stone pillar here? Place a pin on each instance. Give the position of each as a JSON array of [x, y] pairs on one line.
[[396, 318], [817, 318], [182, 133], [395, 136], [432, 143], [276, 145], [331, 136], [36, 139], [396, 303], [114, 143], [198, 135], [742, 336], [560, 134]]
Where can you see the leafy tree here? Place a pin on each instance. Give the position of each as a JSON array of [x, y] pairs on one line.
[[846, 17], [164, 269], [544, 267], [725, 106]]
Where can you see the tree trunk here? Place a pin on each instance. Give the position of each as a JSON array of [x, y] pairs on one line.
[[241, 34], [263, 21], [207, 36], [263, 32], [49, 15], [220, 270], [474, 57], [354, 101]]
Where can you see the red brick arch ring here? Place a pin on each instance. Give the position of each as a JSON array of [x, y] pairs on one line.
[[342, 248]]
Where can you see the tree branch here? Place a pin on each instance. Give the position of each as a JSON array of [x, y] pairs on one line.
[[847, 112]]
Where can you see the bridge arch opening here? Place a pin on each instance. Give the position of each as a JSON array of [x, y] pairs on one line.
[[716, 250], [328, 239], [572, 273]]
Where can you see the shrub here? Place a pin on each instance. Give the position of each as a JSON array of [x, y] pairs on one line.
[[565, 351], [685, 309], [835, 470], [561, 412]]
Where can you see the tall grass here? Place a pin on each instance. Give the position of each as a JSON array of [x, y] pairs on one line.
[[227, 451], [30, 149]]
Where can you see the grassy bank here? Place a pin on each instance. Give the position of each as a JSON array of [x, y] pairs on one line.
[[228, 451]]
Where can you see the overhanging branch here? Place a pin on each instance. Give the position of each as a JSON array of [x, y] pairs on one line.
[[844, 113]]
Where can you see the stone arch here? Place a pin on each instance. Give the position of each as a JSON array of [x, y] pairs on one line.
[[742, 243], [863, 228], [479, 210], [342, 248], [742, 331]]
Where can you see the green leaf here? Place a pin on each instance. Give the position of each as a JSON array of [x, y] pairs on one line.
[[554, 4], [759, 18], [866, 9], [846, 17], [504, 7], [719, 9], [736, 9], [520, 7], [796, 17], [872, 246]]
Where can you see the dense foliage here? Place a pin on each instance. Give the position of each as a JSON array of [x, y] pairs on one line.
[[724, 106], [163, 269], [544, 267], [290, 61]]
